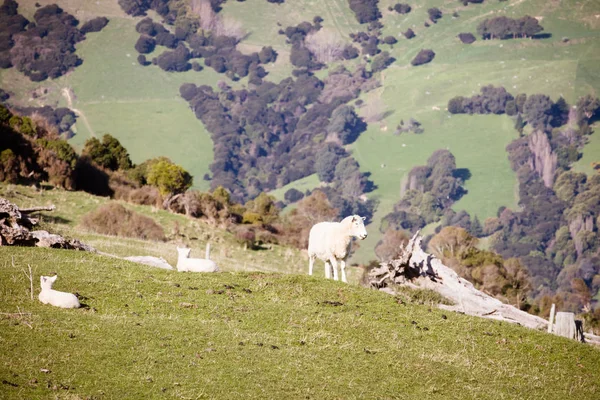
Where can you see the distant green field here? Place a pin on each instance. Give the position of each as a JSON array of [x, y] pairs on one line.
[[546, 66], [139, 105], [307, 183], [591, 153]]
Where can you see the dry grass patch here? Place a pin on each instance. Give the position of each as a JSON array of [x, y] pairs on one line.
[[114, 219]]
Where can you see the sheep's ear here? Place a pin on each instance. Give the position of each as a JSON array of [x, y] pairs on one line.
[[53, 278], [364, 218]]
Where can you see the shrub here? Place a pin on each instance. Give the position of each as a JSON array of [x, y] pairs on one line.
[[390, 40], [293, 195], [424, 57], [267, 55], [94, 25], [466, 38], [434, 14], [350, 52], [245, 236], [166, 39], [145, 44], [409, 34], [116, 220], [146, 195], [381, 61], [168, 177], [455, 105], [402, 8]]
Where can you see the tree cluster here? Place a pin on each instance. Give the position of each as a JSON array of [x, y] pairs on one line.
[[509, 28], [108, 153], [44, 48], [365, 10], [537, 110], [505, 279], [271, 135], [219, 52], [555, 234], [29, 153], [492, 100], [61, 118], [429, 191]]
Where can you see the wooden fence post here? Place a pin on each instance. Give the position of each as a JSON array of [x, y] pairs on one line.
[[551, 320], [565, 324]]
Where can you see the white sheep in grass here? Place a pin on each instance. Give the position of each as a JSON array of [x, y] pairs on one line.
[[54, 297], [331, 241], [185, 263]]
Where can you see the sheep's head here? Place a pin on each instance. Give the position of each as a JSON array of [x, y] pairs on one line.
[[47, 281], [358, 229], [184, 252]]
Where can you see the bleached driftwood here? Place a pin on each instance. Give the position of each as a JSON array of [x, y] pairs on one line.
[[15, 225], [157, 262], [416, 268]]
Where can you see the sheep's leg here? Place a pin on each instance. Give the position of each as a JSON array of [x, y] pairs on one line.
[[327, 270], [343, 269], [333, 262], [311, 263]]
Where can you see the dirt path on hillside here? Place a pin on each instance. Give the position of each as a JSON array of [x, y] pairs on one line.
[[67, 93]]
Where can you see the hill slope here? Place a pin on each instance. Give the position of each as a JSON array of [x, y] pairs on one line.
[[160, 334]]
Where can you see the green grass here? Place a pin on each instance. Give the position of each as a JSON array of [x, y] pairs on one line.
[[180, 230], [307, 183], [152, 333], [591, 154]]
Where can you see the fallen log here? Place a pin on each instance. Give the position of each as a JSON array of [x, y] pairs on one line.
[[418, 269], [16, 225]]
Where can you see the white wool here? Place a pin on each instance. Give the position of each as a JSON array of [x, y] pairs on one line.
[[331, 241], [54, 297], [185, 263]]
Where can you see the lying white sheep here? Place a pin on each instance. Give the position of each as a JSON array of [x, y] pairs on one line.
[[185, 263], [54, 297], [330, 242]]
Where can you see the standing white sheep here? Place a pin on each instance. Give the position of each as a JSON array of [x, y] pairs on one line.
[[185, 263], [331, 241], [54, 297]]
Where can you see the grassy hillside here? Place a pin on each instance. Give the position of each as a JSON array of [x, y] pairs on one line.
[[179, 230], [142, 108], [151, 333]]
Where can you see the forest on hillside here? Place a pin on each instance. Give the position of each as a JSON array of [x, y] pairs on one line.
[[268, 133]]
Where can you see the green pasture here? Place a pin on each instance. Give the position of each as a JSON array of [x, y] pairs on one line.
[[591, 153], [148, 333], [307, 183]]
